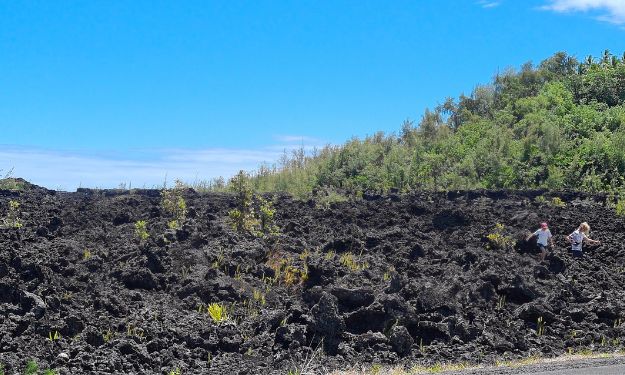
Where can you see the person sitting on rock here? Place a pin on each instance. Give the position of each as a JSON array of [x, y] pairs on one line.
[[578, 237], [544, 240]]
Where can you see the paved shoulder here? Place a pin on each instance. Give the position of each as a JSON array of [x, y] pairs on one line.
[[600, 366], [599, 370]]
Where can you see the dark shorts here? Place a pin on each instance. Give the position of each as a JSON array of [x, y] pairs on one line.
[[542, 247], [577, 254]]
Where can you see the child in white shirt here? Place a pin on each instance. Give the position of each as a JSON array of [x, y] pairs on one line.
[[578, 237], [544, 240]]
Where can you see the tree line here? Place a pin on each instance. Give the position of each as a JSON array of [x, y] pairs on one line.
[[557, 125]]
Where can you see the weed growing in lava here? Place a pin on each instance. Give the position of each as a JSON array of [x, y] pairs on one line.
[[557, 202], [217, 312], [352, 263], [173, 203], [244, 217], [620, 207], [540, 326], [141, 230], [498, 239], [12, 219]]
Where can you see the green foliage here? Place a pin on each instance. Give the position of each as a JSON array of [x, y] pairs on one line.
[[620, 207], [243, 216], [540, 326], [141, 230], [174, 204], [325, 201], [266, 213], [12, 184], [1, 369], [54, 336], [558, 125], [498, 238], [557, 202], [217, 312], [31, 368], [12, 218], [253, 214], [352, 262], [501, 302], [175, 371]]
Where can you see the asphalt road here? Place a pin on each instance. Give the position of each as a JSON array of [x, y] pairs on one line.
[[605, 366], [601, 370]]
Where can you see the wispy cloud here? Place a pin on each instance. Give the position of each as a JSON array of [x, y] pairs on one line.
[[297, 139], [67, 170], [612, 11], [488, 3]]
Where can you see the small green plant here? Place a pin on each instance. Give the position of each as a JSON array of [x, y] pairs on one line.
[[349, 260], [86, 255], [141, 230], [173, 224], [266, 213], [259, 297], [330, 198], [1, 369], [501, 302], [108, 335], [174, 204], [375, 369], [133, 331], [540, 326], [31, 368], [540, 199], [175, 371], [217, 312], [54, 336], [50, 372], [498, 239], [242, 217], [619, 208], [285, 271], [557, 202], [12, 219]]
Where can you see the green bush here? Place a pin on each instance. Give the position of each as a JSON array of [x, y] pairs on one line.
[[141, 230], [217, 312], [31, 368], [620, 207], [557, 125], [174, 204], [12, 219], [498, 238]]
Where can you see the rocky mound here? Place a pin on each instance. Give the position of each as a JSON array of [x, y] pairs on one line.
[[386, 279]]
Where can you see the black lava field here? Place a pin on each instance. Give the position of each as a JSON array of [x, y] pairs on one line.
[[394, 279]]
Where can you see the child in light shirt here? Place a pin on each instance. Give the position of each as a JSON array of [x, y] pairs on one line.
[[544, 240], [578, 237]]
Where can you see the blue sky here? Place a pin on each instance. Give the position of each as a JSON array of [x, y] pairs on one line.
[[94, 93]]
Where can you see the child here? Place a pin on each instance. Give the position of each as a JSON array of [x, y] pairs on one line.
[[544, 240], [577, 238]]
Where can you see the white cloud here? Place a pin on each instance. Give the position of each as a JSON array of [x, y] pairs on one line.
[[296, 139], [612, 11], [67, 170], [488, 4]]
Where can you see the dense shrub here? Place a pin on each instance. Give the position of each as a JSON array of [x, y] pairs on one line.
[[558, 125]]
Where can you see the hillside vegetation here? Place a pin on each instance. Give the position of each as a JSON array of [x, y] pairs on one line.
[[558, 125]]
